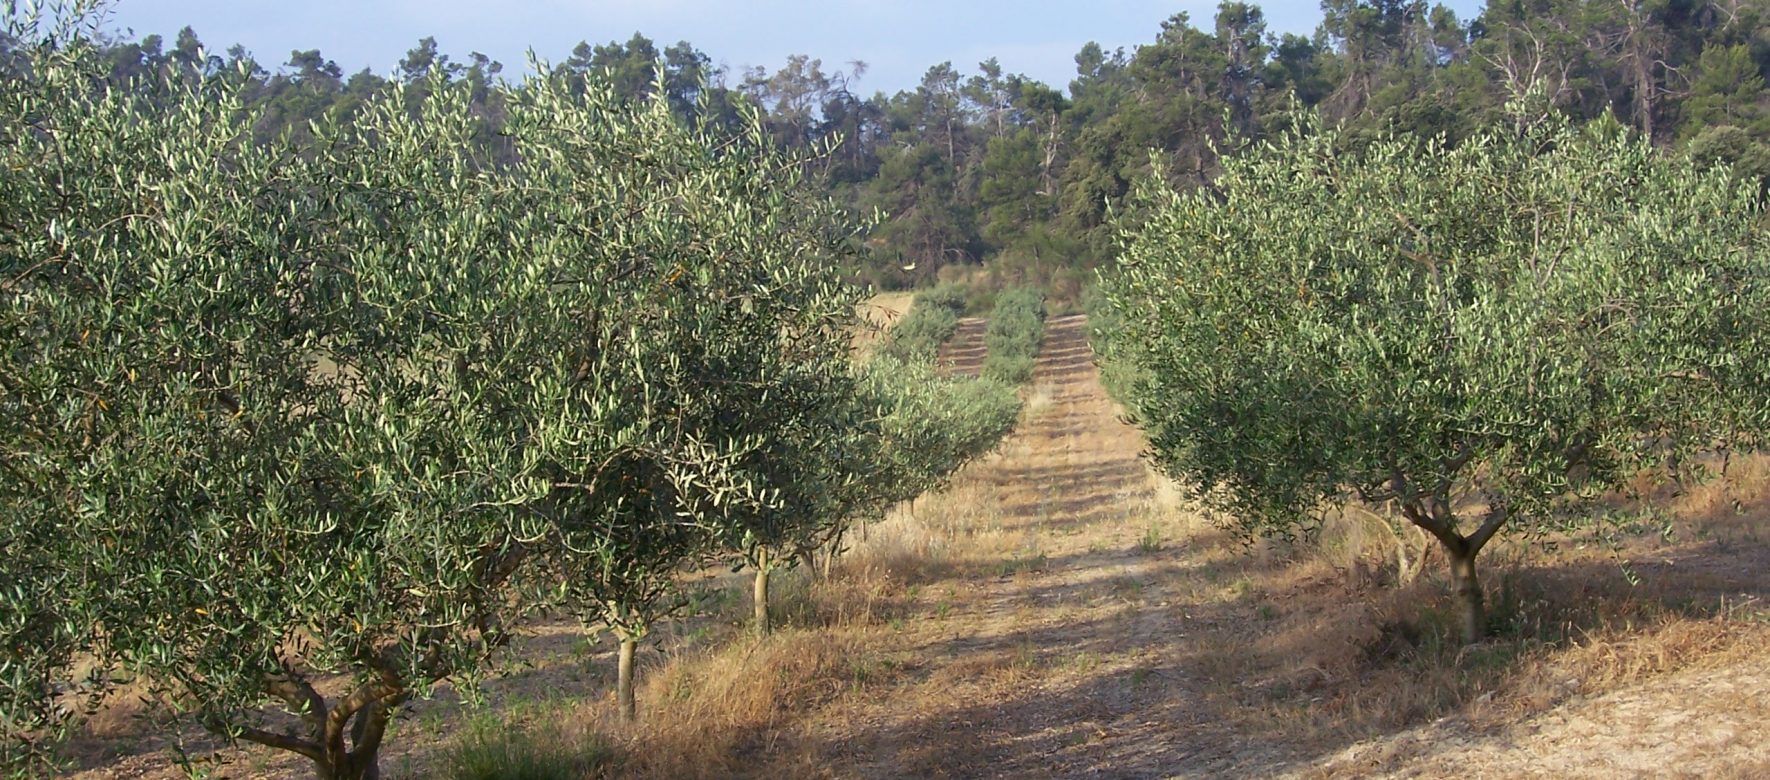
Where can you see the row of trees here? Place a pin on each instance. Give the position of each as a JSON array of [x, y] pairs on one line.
[[931, 321], [1480, 338], [358, 401], [990, 164], [1016, 328]]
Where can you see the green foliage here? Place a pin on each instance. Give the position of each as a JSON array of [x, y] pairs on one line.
[[1016, 326], [931, 320], [1106, 327], [491, 750], [717, 363], [908, 429], [1748, 157], [1483, 334], [277, 413], [932, 425], [1728, 92], [233, 427], [994, 168], [951, 297]]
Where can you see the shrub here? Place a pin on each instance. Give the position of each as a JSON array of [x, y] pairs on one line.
[[1016, 326], [929, 323], [550, 750]]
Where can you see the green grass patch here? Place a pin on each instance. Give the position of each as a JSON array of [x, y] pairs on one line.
[[496, 749], [1016, 326]]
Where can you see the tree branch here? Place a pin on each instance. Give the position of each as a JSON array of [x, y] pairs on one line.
[[301, 697], [371, 726], [287, 742], [1441, 528], [366, 695], [1496, 517]]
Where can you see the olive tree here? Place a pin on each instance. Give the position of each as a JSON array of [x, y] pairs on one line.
[[1012, 337], [713, 373], [819, 469], [902, 431], [932, 425], [275, 414], [253, 397], [38, 640], [1485, 335]]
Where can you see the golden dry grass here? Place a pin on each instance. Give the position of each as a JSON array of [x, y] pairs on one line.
[[877, 314]]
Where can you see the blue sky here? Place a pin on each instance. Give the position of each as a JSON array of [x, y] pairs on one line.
[[898, 39]]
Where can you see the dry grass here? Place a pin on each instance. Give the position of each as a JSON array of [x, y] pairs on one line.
[[731, 709], [1341, 652], [877, 314]]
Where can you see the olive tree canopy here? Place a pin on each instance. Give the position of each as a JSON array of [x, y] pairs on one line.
[[1483, 334], [274, 413]]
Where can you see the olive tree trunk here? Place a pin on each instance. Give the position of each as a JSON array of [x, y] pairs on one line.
[[363, 715], [350, 767], [1437, 519], [835, 550], [624, 679], [759, 595], [1466, 587]]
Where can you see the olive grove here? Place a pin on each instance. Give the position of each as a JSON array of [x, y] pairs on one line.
[[356, 402]]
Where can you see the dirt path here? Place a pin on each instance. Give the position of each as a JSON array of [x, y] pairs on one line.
[[1647, 732], [1066, 657], [1104, 630], [963, 354]]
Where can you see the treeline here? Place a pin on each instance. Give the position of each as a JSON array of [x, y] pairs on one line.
[[987, 165], [282, 409]]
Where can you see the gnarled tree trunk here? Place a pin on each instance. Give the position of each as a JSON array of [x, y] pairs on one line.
[[1471, 610], [1432, 512], [364, 715]]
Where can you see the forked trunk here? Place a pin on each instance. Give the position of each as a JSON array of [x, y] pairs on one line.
[[361, 762], [358, 768], [1433, 514], [1409, 564], [342, 741], [830, 556], [1471, 613], [624, 680]]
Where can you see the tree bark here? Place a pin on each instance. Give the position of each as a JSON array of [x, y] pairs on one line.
[[1432, 513], [361, 760], [366, 735], [1471, 612], [354, 768], [624, 680], [1409, 565], [834, 550], [760, 596], [344, 740], [355, 765]]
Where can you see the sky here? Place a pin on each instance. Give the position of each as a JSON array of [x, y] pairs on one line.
[[898, 39]]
